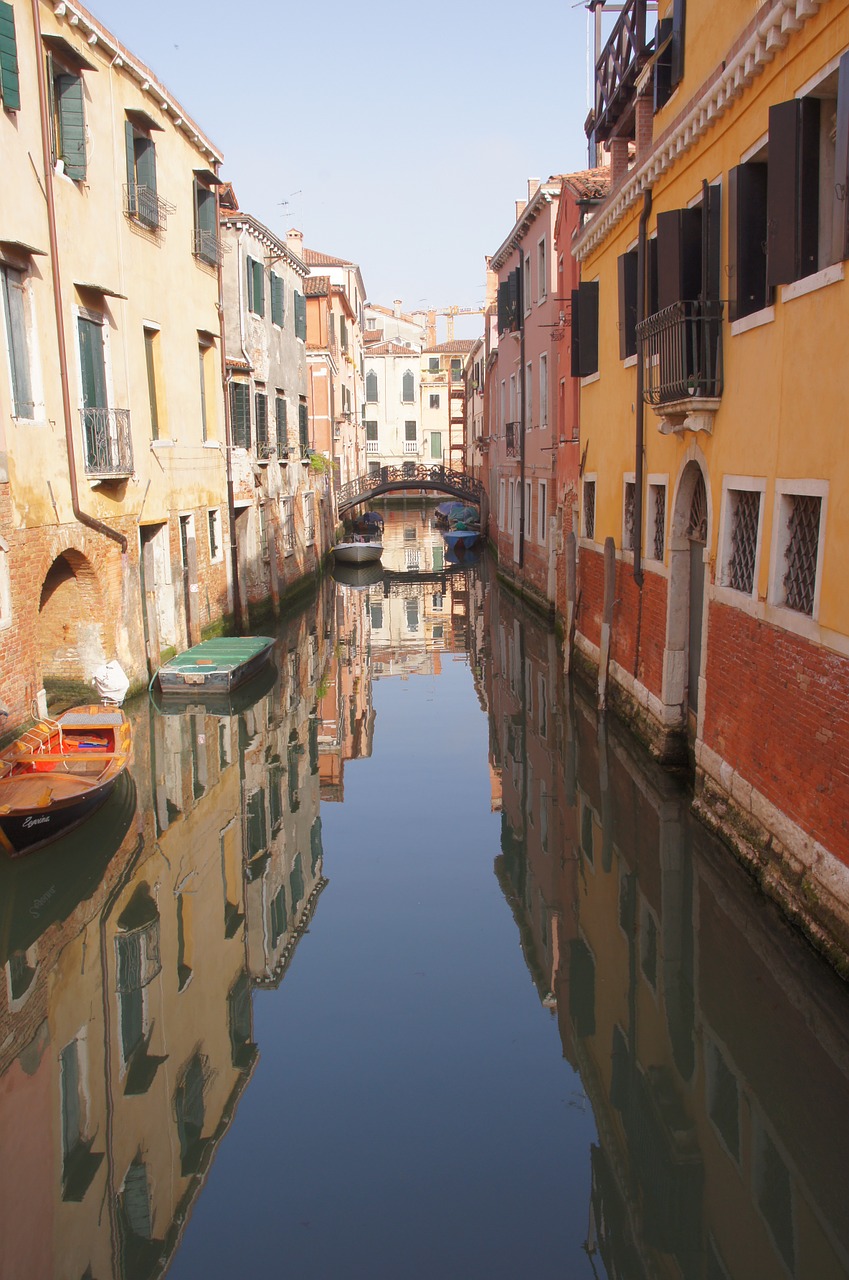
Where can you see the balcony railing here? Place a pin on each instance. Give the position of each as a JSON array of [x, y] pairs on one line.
[[207, 247], [107, 442], [512, 438], [682, 354], [411, 446], [616, 72], [372, 446], [144, 206]]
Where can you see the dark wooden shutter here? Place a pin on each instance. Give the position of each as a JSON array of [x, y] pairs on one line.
[[10, 88], [503, 306], [303, 427], [651, 282], [513, 298], [747, 239], [585, 330], [679, 256], [627, 305], [130, 144], [840, 215], [68, 91], [663, 63], [711, 241], [792, 190], [676, 64], [282, 429], [576, 335], [259, 288]]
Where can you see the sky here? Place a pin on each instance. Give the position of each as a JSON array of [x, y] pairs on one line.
[[397, 138]]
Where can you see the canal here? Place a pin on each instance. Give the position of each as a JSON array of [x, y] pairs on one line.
[[406, 964]]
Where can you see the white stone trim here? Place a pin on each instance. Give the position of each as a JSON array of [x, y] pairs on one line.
[[753, 484], [753, 321], [772, 33], [810, 284], [776, 611]]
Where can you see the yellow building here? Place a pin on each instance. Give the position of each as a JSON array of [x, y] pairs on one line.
[[708, 327], [113, 516]]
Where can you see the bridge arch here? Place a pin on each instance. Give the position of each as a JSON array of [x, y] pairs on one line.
[[410, 475]]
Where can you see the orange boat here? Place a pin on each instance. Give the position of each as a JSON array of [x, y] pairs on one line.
[[58, 772]]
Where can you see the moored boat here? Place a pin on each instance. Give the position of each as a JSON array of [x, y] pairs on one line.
[[358, 551], [58, 772], [216, 666], [461, 539]]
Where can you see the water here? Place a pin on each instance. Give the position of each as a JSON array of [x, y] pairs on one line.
[[411, 968]]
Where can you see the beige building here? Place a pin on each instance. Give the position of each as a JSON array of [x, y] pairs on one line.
[[113, 516]]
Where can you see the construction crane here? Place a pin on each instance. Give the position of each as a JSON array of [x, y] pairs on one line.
[[448, 313]]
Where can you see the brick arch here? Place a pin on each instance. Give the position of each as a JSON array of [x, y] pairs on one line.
[[72, 617]]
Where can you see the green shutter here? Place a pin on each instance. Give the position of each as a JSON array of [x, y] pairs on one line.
[[68, 90], [13, 306], [261, 413], [9, 83], [303, 427], [249, 271], [130, 143], [259, 289], [145, 162], [240, 414], [282, 427], [300, 316], [277, 300]]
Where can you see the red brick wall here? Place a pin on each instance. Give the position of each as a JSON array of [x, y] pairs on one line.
[[777, 710], [649, 670], [591, 593]]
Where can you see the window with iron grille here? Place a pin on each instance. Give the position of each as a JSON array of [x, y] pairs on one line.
[[240, 414], [589, 509], [628, 516], [215, 544], [287, 522], [657, 520], [744, 509], [802, 523]]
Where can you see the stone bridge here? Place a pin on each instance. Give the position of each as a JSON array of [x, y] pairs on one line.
[[408, 476]]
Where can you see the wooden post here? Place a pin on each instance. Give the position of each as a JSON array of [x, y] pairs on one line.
[[606, 618]]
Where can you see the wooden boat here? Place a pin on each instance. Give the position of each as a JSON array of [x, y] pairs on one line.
[[359, 551], [57, 773], [216, 666], [222, 703]]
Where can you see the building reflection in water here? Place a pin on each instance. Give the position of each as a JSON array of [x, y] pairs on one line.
[[712, 1044], [129, 956]]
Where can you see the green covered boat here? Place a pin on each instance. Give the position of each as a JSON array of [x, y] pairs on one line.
[[215, 666]]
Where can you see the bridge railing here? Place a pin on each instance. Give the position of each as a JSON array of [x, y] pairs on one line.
[[409, 476]]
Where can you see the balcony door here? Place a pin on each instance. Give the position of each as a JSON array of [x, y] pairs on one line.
[[93, 374]]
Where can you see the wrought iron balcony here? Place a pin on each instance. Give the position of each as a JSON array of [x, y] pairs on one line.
[[682, 361], [207, 247], [107, 442], [143, 205], [512, 439]]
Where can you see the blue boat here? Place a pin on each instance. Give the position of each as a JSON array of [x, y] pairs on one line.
[[461, 539]]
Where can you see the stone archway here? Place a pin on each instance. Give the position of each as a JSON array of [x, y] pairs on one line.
[[688, 579], [71, 624]]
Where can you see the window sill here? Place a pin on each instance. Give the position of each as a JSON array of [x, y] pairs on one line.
[[810, 284], [630, 362], [162, 444], [752, 321], [590, 378], [19, 421], [212, 444]]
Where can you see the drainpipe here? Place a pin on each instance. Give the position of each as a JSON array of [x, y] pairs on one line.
[[83, 516], [639, 408], [228, 428]]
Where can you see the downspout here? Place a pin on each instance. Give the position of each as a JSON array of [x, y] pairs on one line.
[[228, 427], [83, 516], [523, 398], [639, 408]]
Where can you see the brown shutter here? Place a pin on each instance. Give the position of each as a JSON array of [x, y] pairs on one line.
[[576, 335], [747, 239], [627, 305], [792, 190], [840, 237], [679, 256]]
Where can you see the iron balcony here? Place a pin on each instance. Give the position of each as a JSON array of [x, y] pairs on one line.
[[107, 442], [682, 354]]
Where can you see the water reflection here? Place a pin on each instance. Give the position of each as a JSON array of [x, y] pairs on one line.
[[712, 1046]]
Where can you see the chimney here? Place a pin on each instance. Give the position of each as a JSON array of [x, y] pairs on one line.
[[295, 241], [491, 284], [430, 331], [396, 308], [533, 188], [521, 205]]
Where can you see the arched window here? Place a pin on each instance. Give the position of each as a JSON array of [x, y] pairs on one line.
[[408, 387], [371, 387]]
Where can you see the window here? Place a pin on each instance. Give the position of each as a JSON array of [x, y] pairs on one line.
[[723, 1099], [627, 265], [278, 299], [371, 437], [206, 244], [343, 333], [300, 304], [151, 356], [433, 364], [747, 237], [508, 303], [526, 283], [411, 608], [628, 515], [799, 533], [309, 518], [669, 67], [528, 507], [240, 414], [543, 391], [256, 287], [542, 512], [542, 272], [511, 505], [261, 418], [287, 523], [740, 538], [456, 370], [303, 426], [141, 201], [216, 546], [585, 330], [9, 84], [411, 432], [263, 530], [436, 445], [434, 401], [371, 387], [15, 310], [68, 120], [376, 611], [656, 522], [281, 425], [589, 509], [408, 387]]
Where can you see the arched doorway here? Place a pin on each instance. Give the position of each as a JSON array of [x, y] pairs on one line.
[[70, 620], [687, 580]]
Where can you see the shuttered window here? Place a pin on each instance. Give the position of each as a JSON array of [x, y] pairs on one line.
[[256, 287], [277, 299], [9, 83], [261, 415], [627, 304], [840, 232], [68, 121], [14, 315], [240, 414], [141, 176], [747, 235], [300, 316], [281, 424], [793, 190], [303, 427], [585, 330], [206, 243]]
